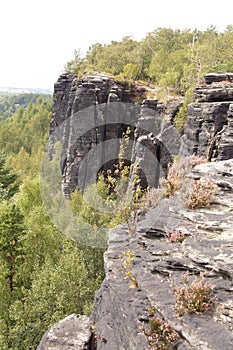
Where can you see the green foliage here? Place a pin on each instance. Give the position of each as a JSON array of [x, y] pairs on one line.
[[182, 115], [174, 60], [11, 241], [126, 259], [109, 202], [27, 128], [11, 103], [8, 180], [131, 71], [57, 290], [43, 276], [159, 334]]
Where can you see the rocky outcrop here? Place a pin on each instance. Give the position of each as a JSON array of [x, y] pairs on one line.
[[120, 311], [82, 120], [209, 126], [72, 333], [90, 116]]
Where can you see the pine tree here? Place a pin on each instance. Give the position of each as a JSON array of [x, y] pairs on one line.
[[11, 235], [8, 185]]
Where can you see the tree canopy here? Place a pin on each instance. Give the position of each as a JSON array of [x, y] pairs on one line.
[[175, 59]]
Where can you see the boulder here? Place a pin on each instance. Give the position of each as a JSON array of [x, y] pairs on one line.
[[72, 333]]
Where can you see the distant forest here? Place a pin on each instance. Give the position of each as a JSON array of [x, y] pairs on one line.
[[9, 103]]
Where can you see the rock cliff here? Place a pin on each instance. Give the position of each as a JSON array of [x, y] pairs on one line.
[[91, 114], [209, 128], [121, 311]]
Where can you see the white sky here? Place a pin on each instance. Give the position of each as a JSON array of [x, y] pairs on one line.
[[38, 37]]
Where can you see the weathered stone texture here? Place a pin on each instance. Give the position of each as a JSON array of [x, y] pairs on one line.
[[120, 310], [209, 125], [90, 111], [72, 333]]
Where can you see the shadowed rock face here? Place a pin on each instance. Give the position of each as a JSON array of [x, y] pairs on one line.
[[208, 131], [90, 111]]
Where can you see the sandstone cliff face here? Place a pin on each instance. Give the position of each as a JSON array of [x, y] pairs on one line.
[[91, 114], [88, 112], [121, 311], [209, 129], [89, 117]]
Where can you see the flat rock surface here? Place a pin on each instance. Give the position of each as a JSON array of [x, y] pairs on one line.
[[120, 310]]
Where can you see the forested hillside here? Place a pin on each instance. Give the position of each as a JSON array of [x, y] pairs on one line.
[[9, 103], [43, 276], [171, 61], [174, 59]]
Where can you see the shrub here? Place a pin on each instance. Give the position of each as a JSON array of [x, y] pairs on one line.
[[177, 172], [174, 181], [160, 335], [202, 192], [175, 236], [127, 258], [152, 197], [196, 297], [182, 115]]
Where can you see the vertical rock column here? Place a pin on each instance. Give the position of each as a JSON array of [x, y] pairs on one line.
[[225, 149], [150, 155], [208, 117]]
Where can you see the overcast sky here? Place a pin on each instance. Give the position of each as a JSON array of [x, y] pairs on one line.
[[38, 37]]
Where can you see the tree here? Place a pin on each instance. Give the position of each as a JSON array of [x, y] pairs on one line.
[[57, 290], [8, 180], [11, 241], [131, 71]]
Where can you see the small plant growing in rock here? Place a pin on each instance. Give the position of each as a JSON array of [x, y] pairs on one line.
[[152, 197], [201, 194], [177, 172], [174, 181], [196, 297], [127, 258], [195, 160], [175, 236], [160, 335]]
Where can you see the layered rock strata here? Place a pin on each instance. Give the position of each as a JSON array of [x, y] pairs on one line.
[[90, 116], [121, 311], [208, 129]]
